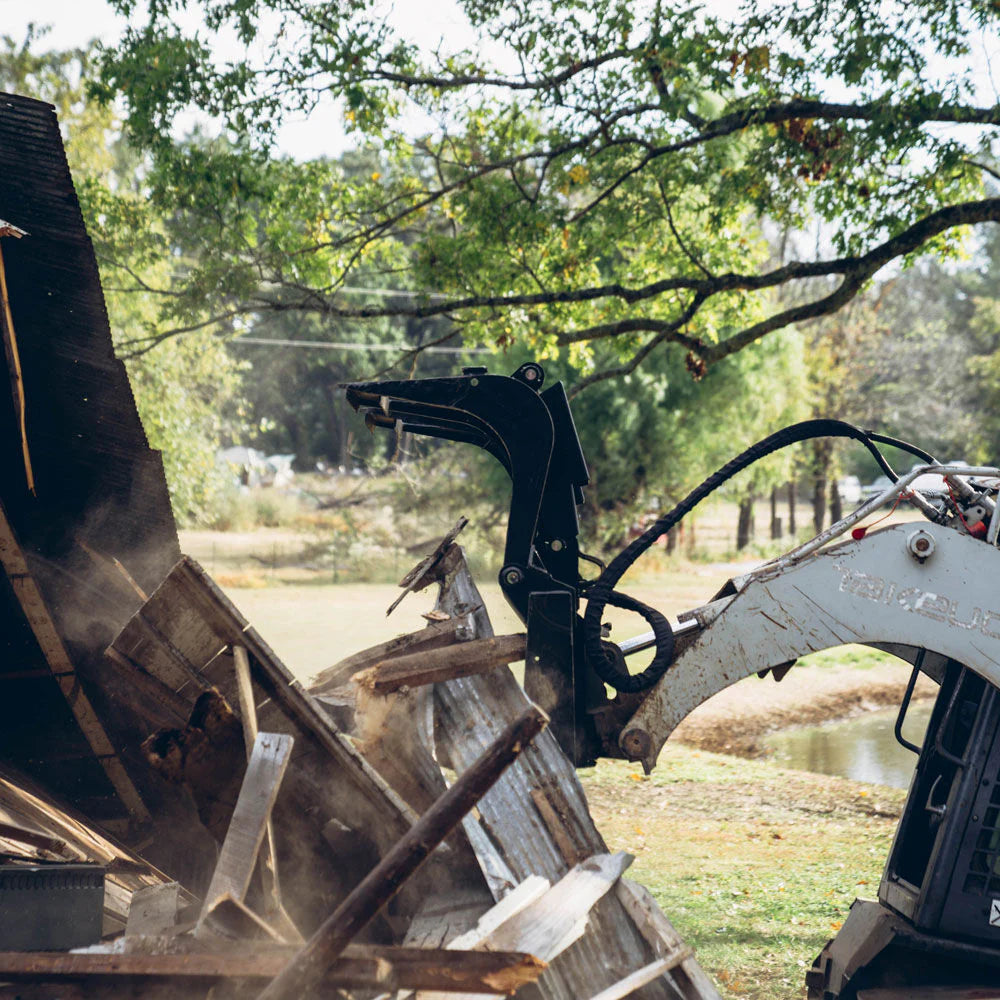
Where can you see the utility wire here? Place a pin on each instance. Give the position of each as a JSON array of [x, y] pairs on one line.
[[334, 345]]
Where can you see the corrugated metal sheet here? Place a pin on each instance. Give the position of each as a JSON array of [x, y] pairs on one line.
[[96, 478]]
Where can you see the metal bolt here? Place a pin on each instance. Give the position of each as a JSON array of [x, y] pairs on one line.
[[474, 381], [636, 744], [920, 544], [557, 545], [531, 374], [512, 577]]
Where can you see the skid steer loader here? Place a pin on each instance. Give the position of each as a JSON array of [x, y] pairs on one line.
[[927, 592]]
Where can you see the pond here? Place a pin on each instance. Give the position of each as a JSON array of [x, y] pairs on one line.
[[863, 748]]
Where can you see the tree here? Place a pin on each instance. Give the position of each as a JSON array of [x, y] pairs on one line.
[[602, 163]]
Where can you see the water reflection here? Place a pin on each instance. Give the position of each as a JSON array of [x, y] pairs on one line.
[[863, 748]]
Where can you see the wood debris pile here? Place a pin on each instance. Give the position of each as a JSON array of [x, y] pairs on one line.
[[249, 837]]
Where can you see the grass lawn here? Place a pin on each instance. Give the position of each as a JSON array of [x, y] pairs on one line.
[[756, 866]]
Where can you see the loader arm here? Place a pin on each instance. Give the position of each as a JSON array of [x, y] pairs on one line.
[[927, 592], [876, 590]]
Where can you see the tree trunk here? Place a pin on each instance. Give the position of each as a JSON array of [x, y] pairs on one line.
[[792, 501], [300, 441], [334, 420], [775, 520], [822, 459], [744, 527], [836, 502]]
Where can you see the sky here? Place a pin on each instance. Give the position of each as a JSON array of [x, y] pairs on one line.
[[75, 22]]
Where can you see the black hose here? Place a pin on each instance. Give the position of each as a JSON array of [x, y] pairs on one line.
[[602, 591], [902, 446]]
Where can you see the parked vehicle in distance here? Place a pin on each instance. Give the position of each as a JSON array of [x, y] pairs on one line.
[[850, 489]]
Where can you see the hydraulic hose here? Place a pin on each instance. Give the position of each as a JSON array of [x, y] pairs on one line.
[[602, 591]]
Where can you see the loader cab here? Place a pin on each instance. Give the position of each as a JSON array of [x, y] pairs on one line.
[[943, 872], [937, 919]]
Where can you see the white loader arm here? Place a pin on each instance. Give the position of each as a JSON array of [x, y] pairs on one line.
[[914, 585]]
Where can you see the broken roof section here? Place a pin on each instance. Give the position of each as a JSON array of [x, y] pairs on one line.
[[81, 489]]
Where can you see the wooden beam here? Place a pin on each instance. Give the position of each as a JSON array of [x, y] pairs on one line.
[[231, 918], [153, 909], [434, 636], [529, 891], [627, 986], [360, 967], [688, 977], [32, 838], [238, 856], [51, 645], [553, 922], [114, 570], [463, 659], [382, 883], [268, 862], [14, 372]]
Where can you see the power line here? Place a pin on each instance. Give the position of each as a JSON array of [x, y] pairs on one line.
[[334, 345]]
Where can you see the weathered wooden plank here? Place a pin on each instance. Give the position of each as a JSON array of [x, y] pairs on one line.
[[384, 880], [627, 986], [32, 838], [268, 860], [550, 924], [178, 636], [434, 636], [231, 918], [556, 918], [51, 645], [153, 909], [238, 856], [463, 659], [361, 966], [529, 891], [689, 977], [470, 710]]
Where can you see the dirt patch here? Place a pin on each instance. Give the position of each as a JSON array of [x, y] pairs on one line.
[[736, 720]]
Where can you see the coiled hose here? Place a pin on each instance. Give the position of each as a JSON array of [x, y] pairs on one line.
[[602, 591]]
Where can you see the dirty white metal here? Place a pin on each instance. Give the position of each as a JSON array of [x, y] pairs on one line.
[[871, 590], [954, 474]]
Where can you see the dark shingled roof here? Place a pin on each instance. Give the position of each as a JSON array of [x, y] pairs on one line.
[[97, 481]]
